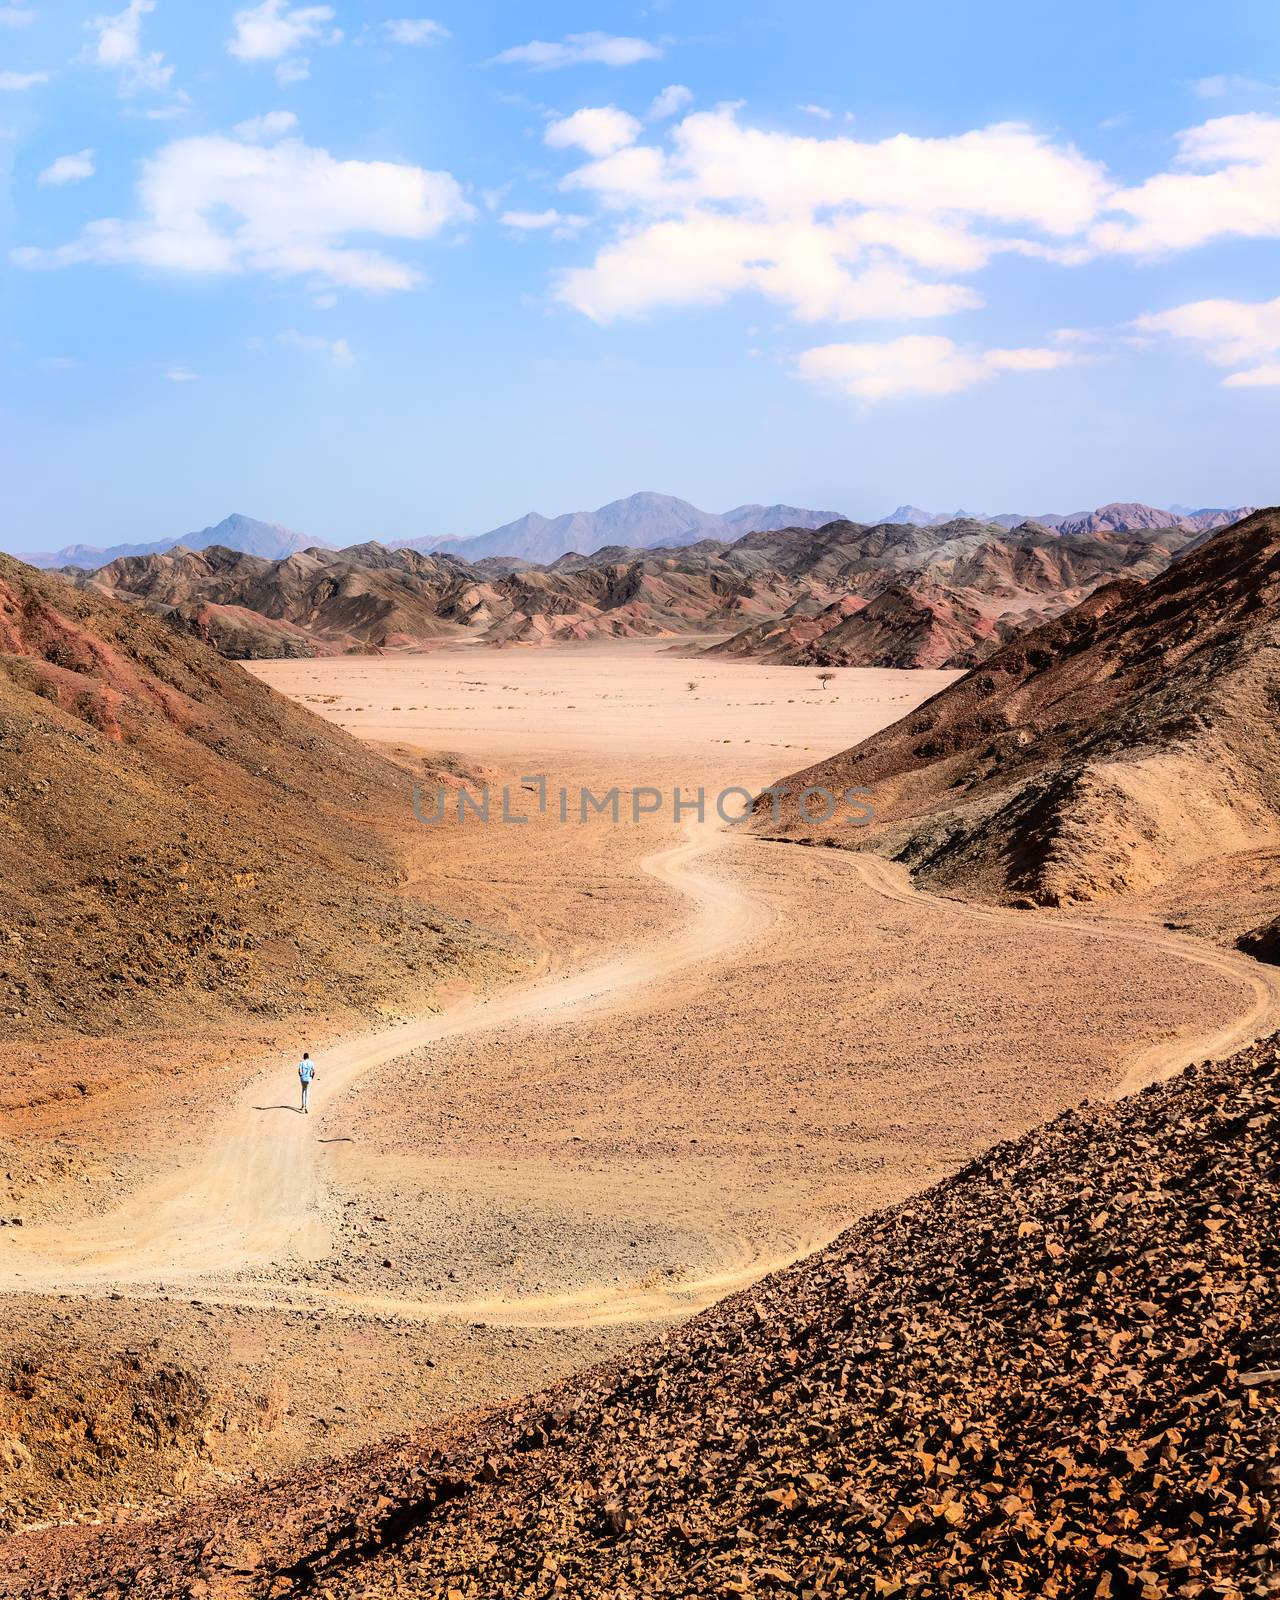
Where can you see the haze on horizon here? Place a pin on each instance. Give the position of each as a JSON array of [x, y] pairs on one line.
[[377, 272]]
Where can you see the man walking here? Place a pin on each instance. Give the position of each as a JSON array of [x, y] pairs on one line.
[[306, 1072]]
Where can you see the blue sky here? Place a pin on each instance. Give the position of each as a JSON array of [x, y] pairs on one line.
[[379, 269]]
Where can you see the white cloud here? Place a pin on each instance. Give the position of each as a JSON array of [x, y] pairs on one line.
[[703, 258], [119, 48], [17, 81], [831, 226], [1004, 174], [180, 375], [605, 49], [16, 17], [675, 97], [1230, 333], [1267, 376], [599, 130], [416, 30], [219, 205], [1225, 83], [1226, 181], [69, 169], [297, 69], [532, 221], [271, 125], [338, 350], [273, 29], [918, 364], [820, 112]]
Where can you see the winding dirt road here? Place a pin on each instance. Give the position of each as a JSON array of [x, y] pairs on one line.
[[255, 1199]]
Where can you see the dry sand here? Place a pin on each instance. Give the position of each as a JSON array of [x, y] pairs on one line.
[[723, 1051]]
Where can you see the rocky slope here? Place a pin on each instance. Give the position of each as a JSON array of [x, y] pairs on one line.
[[945, 595], [907, 625], [1054, 1375], [1097, 754], [313, 602], [179, 843]]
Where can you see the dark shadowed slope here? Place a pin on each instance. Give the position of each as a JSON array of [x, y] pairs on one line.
[[1097, 754], [1054, 1376]]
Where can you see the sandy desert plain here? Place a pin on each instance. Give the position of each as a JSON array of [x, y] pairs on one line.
[[716, 1053]]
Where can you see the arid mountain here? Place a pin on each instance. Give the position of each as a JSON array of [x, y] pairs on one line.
[[1119, 517], [913, 516], [247, 534], [946, 595], [316, 601], [640, 521], [1127, 516], [178, 842], [1208, 518], [369, 598], [766, 519], [1099, 753], [903, 626], [1052, 1375], [655, 594]]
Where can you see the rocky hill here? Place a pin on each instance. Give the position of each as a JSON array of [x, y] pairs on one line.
[[1097, 754], [313, 602], [179, 843], [1055, 1376], [945, 595], [905, 625]]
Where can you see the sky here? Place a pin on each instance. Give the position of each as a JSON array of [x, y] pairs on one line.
[[375, 271]]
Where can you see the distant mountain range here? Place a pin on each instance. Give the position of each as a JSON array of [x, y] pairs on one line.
[[844, 594], [236, 532], [1120, 516], [641, 521]]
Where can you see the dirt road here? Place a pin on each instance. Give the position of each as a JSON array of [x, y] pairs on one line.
[[256, 1198], [722, 1052]]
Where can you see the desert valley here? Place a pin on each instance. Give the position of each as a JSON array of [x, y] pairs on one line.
[[584, 1077], [655, 973]]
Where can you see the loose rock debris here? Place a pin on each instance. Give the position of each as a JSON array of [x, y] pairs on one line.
[[1053, 1375]]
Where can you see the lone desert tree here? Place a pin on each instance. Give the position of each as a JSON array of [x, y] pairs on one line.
[[824, 678]]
